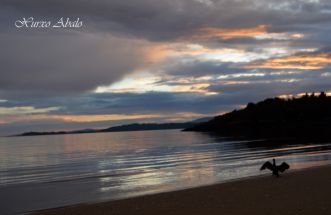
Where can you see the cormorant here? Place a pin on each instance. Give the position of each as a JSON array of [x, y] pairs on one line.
[[274, 168]]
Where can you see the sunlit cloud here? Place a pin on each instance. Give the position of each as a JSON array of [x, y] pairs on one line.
[[299, 62], [179, 116], [194, 88], [258, 32], [235, 82], [157, 52], [25, 110], [136, 83], [209, 32], [253, 82], [75, 118], [280, 36], [187, 88], [98, 118], [195, 49], [326, 74], [146, 82], [176, 51], [240, 75]]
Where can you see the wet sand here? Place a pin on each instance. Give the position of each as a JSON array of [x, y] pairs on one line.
[[302, 192]]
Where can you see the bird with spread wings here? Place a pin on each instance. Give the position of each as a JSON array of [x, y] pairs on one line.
[[275, 168]]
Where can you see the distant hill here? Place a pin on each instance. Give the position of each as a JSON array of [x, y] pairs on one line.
[[307, 117], [129, 127], [205, 119], [148, 126]]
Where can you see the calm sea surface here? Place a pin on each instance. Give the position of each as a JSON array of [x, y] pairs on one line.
[[52, 171]]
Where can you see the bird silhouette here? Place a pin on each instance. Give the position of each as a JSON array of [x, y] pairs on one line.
[[274, 168]]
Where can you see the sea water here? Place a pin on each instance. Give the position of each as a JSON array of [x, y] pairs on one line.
[[39, 172]]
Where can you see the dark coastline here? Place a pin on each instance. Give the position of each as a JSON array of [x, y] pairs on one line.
[[122, 128]]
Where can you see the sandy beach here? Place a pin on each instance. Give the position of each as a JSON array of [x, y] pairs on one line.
[[297, 192]]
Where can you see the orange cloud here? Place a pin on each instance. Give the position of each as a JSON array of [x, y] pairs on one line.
[[232, 33], [180, 116], [235, 82], [156, 52], [194, 88], [258, 32], [160, 51], [97, 118], [301, 62], [75, 118]]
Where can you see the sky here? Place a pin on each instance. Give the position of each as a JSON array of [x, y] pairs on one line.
[[156, 61]]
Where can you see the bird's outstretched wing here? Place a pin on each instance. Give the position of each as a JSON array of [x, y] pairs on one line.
[[267, 165], [284, 166]]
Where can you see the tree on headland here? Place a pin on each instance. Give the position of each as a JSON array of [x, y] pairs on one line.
[[322, 95], [306, 116]]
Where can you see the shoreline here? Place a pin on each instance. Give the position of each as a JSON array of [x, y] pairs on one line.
[[304, 191]]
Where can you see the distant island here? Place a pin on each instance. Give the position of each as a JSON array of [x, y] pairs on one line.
[[306, 118], [128, 127]]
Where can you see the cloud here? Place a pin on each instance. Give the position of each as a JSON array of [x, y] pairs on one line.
[[194, 57], [168, 19], [39, 64], [198, 68], [259, 32], [22, 116], [232, 33], [309, 61], [25, 110]]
